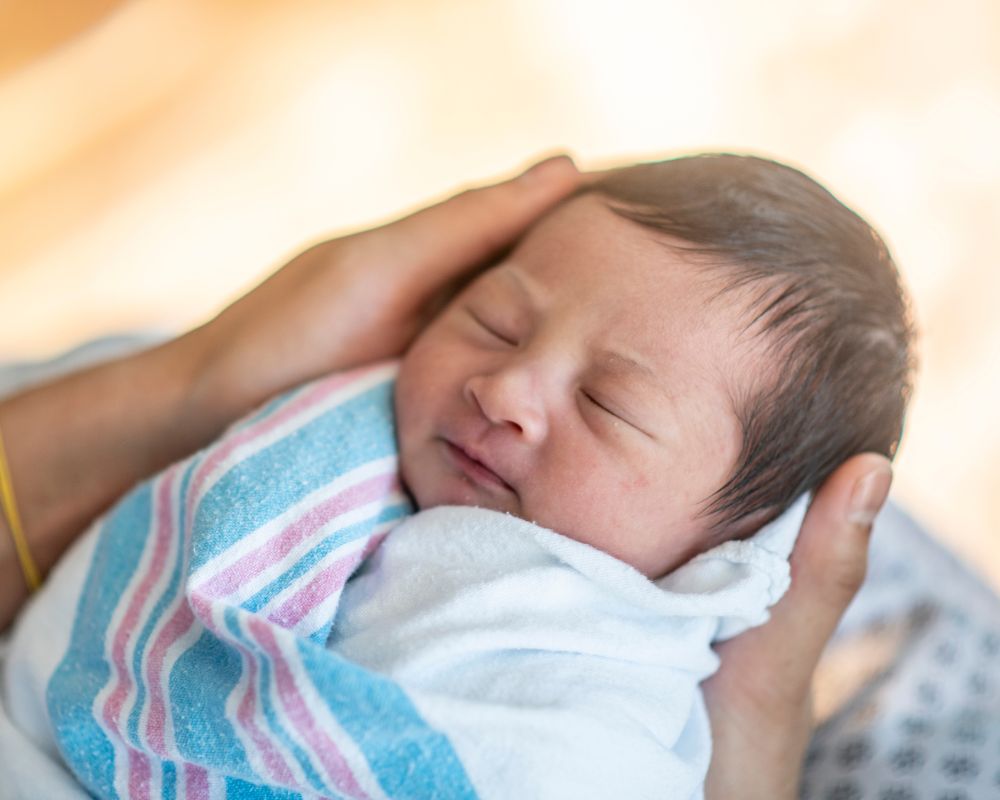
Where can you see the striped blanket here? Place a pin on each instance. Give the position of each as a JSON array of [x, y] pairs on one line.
[[196, 665]]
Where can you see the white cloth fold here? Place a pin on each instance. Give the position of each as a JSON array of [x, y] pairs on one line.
[[738, 581], [554, 669]]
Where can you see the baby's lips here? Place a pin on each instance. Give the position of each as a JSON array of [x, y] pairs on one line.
[[483, 460]]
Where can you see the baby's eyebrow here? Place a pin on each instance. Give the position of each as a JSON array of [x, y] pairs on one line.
[[521, 284], [613, 361], [617, 363]]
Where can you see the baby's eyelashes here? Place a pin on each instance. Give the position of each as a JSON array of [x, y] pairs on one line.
[[491, 330], [612, 415], [600, 405]]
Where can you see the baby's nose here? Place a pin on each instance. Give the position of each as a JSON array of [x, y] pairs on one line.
[[507, 397]]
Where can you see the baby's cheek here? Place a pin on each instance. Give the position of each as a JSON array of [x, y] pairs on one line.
[[633, 475], [634, 483], [607, 477]]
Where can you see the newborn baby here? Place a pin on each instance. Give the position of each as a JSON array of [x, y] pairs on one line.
[[664, 362], [659, 368]]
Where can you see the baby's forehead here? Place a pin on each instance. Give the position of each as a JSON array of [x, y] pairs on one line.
[[655, 310], [578, 216], [587, 230]]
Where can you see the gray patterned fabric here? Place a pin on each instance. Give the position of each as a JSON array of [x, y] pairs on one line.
[[908, 691], [911, 682]]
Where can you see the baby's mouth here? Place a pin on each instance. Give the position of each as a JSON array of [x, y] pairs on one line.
[[474, 469]]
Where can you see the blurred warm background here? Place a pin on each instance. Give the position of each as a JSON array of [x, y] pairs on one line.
[[158, 157]]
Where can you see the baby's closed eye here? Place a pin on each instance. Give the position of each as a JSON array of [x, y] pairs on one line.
[[492, 328], [600, 405], [610, 411]]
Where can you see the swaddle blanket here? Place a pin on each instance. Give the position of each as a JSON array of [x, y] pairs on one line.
[[225, 642]]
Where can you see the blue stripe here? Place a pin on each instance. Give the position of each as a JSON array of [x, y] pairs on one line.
[[200, 682], [263, 688], [241, 790], [168, 596], [409, 758], [267, 483], [83, 671], [169, 781]]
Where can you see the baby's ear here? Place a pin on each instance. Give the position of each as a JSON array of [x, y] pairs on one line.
[[747, 525]]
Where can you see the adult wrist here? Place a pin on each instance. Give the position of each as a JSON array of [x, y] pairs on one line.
[[203, 404]]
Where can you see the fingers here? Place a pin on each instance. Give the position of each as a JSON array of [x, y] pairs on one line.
[[831, 556], [828, 566], [593, 176], [759, 700], [469, 228]]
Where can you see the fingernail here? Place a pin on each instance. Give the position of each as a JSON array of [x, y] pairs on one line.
[[869, 496], [543, 168]]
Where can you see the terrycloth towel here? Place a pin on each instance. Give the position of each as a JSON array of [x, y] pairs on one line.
[[556, 670], [474, 655]]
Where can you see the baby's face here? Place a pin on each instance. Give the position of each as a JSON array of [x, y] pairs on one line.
[[585, 383]]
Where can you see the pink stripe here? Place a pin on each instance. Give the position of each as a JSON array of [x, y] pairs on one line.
[[297, 714], [161, 545], [249, 566], [327, 582], [180, 622], [138, 775], [372, 544], [246, 716], [201, 607], [195, 782]]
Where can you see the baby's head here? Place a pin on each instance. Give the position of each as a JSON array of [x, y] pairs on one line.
[[665, 361]]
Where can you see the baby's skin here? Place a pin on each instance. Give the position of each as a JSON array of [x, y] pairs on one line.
[[584, 383]]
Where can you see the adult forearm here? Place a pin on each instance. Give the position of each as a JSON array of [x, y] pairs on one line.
[[77, 443]]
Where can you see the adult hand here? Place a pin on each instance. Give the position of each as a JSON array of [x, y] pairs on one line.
[[759, 701], [364, 297], [77, 443]]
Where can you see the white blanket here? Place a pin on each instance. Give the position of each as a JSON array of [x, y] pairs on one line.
[[555, 669]]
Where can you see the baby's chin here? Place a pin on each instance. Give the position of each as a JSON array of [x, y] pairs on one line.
[[451, 497], [425, 494]]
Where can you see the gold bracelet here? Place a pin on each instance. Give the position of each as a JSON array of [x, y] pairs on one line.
[[14, 520]]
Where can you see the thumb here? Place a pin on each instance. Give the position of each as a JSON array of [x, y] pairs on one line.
[[828, 567], [465, 230]]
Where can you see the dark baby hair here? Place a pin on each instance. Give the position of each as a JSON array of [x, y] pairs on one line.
[[825, 295]]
